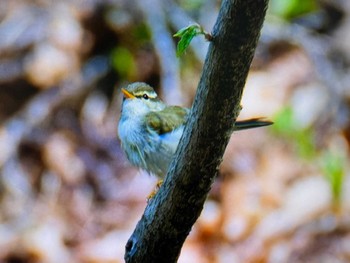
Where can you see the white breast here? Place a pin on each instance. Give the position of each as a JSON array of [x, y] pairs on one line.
[[144, 147]]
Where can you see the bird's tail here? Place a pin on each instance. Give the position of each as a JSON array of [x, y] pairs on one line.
[[252, 123]]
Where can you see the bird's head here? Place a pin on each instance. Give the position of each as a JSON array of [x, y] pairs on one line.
[[140, 98]]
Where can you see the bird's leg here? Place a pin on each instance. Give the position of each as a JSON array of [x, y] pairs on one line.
[[153, 193], [159, 184]]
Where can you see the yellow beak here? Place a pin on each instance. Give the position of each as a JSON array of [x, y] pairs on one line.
[[127, 94]]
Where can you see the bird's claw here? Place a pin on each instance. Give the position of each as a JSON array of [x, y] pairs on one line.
[[153, 193]]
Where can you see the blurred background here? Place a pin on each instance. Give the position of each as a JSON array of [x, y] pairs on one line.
[[67, 193]]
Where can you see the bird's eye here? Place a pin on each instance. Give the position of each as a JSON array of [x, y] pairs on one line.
[[145, 96]]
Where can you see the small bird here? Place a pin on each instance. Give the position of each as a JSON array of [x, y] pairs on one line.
[[150, 130]]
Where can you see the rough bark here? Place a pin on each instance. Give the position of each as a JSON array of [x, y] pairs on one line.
[[169, 216]]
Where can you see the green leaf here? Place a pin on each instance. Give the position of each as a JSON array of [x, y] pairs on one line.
[[181, 32], [185, 41], [333, 166], [187, 34]]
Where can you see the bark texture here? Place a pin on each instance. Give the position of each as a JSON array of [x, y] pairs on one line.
[[170, 215]]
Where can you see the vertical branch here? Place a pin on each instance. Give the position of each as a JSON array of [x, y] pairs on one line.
[[169, 216]]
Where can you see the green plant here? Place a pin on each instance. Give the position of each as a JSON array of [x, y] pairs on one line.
[[286, 126], [187, 34], [123, 62], [289, 9], [331, 163], [333, 167]]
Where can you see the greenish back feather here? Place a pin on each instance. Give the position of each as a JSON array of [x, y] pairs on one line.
[[166, 120]]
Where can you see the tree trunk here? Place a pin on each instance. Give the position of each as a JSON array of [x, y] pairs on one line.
[[169, 216]]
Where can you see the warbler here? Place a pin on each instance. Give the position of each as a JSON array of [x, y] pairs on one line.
[[150, 130]]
